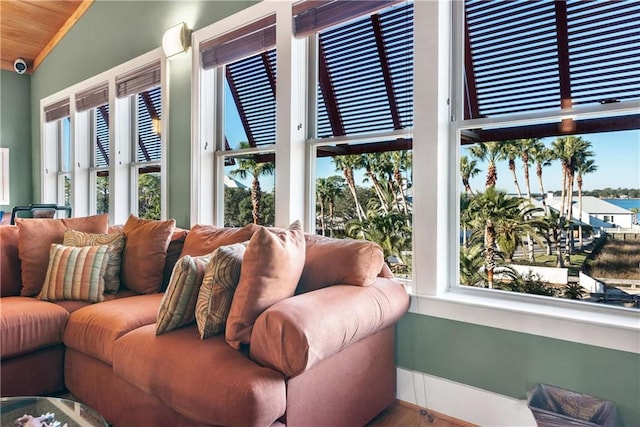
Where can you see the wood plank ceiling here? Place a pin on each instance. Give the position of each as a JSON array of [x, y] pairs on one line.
[[30, 29]]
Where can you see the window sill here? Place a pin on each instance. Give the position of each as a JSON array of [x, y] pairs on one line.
[[586, 323]]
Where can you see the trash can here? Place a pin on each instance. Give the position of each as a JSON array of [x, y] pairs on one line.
[[557, 407]]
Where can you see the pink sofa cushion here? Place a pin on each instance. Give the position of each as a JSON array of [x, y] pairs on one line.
[[28, 324], [205, 380], [271, 268], [339, 262], [145, 253], [10, 275], [93, 330], [204, 239], [298, 333], [35, 239]]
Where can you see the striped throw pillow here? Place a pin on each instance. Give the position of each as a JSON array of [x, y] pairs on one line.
[[115, 244], [218, 286], [178, 305], [75, 273]]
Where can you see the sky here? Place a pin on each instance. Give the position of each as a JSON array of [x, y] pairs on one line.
[[616, 154]]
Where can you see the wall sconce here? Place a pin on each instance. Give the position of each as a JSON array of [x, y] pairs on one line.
[[176, 40]]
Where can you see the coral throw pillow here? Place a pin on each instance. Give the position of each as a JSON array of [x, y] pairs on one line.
[[144, 253], [217, 289], [34, 243], [178, 305], [204, 239], [271, 268], [75, 273], [115, 244], [332, 261]]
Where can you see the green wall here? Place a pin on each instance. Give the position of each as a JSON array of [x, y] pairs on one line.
[[111, 33], [510, 363], [15, 134]]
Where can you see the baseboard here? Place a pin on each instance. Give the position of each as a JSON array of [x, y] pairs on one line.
[[435, 414], [461, 403]]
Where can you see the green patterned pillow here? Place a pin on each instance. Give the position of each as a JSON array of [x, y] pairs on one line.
[[115, 242], [218, 286], [75, 273], [179, 301]]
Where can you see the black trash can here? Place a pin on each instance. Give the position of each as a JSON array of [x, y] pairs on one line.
[[557, 407]]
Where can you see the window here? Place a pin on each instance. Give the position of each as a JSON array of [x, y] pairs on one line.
[[57, 141], [241, 66], [103, 143], [92, 107], [140, 98], [535, 148], [363, 122]]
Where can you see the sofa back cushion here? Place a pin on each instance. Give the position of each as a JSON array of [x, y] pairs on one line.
[[145, 253], [271, 269], [204, 239], [10, 276], [34, 242], [332, 261]]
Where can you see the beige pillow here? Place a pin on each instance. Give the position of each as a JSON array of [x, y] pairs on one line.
[[178, 305], [271, 268], [75, 273], [114, 243], [217, 289], [145, 252], [34, 243]]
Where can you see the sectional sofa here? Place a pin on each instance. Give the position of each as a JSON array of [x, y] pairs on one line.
[[306, 337]]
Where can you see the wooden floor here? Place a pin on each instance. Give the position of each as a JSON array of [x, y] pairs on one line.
[[406, 415]]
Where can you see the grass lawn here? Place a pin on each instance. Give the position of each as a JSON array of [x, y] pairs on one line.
[[551, 260], [617, 259]]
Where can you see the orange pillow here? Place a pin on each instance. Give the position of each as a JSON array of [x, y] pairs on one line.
[[35, 237], [332, 261], [144, 253], [271, 268], [204, 239], [10, 276]]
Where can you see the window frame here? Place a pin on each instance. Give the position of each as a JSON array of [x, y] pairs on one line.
[[120, 137], [435, 187]]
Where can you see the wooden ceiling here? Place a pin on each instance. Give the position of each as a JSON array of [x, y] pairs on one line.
[[30, 29]]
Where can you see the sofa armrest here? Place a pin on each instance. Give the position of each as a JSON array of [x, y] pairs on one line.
[[299, 332]]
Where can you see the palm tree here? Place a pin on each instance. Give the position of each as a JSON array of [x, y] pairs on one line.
[[327, 190], [489, 152], [468, 169], [471, 261], [401, 162], [347, 164], [248, 165], [585, 166], [372, 163], [542, 157], [490, 211], [510, 150]]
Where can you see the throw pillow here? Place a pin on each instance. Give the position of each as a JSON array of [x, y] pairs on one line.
[[75, 273], [144, 253], [217, 289], [332, 261], [204, 239], [271, 268], [34, 243], [114, 243], [178, 304], [173, 255]]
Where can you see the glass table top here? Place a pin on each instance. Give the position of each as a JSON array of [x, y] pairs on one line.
[[56, 412]]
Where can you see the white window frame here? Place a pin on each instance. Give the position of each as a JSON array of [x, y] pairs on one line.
[[120, 146], [207, 145], [436, 288], [435, 259]]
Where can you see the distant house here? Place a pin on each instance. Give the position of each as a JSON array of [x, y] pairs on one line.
[[233, 183], [596, 212]]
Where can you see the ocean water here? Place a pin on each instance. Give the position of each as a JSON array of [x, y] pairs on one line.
[[625, 203]]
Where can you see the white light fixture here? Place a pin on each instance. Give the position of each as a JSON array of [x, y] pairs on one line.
[[176, 40]]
